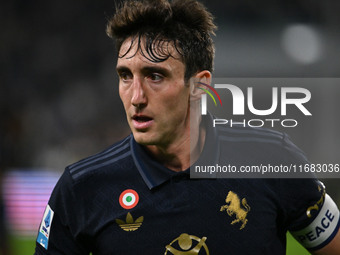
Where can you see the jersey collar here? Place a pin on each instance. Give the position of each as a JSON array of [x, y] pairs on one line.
[[155, 174]]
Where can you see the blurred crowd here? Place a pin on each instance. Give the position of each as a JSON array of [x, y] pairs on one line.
[[59, 99], [58, 92]]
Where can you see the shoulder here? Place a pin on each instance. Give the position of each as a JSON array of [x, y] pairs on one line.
[[112, 156], [81, 182], [260, 142]]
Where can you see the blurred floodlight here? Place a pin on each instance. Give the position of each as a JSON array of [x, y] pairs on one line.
[[302, 43]]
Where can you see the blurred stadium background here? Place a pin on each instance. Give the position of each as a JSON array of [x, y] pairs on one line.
[[59, 99]]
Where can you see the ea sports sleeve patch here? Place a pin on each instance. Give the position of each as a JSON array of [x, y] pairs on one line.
[[322, 229], [45, 227]]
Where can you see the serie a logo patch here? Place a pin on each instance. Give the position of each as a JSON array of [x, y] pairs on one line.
[[45, 227]]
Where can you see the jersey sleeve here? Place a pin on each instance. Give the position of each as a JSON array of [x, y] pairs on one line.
[[312, 215], [59, 232]]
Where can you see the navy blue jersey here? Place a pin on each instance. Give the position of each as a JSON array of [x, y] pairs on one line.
[[122, 201]]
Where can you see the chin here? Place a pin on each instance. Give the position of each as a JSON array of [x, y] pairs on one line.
[[143, 138]]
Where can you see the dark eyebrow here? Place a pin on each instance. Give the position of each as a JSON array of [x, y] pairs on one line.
[[145, 70], [121, 69], [154, 69]]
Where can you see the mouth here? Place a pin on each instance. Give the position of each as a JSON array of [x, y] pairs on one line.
[[140, 122]]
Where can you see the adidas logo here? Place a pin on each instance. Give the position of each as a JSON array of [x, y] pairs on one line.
[[129, 224]]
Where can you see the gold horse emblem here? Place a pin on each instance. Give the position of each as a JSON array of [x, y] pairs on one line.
[[233, 206]]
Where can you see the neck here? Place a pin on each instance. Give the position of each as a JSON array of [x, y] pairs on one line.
[[184, 151]]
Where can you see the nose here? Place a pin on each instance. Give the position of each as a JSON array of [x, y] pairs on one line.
[[138, 98]]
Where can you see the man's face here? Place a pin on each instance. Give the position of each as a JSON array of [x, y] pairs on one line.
[[155, 97]]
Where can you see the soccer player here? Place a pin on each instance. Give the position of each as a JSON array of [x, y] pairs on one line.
[[136, 197]]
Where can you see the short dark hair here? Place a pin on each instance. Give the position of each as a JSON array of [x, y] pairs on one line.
[[155, 24]]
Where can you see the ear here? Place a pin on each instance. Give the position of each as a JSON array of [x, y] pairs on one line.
[[197, 84]]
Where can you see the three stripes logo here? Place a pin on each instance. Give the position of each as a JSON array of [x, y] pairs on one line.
[[130, 224], [209, 93]]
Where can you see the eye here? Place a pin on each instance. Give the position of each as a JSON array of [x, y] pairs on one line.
[[125, 76], [156, 77]]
